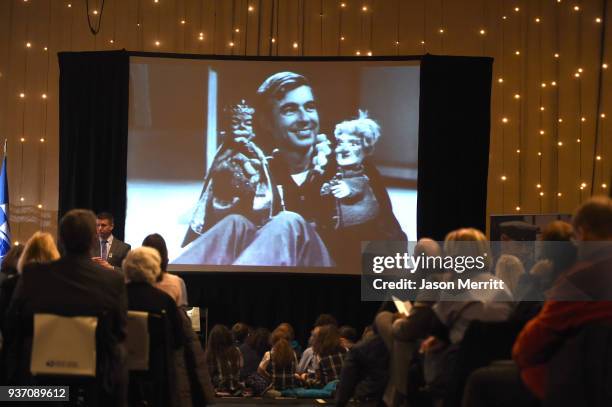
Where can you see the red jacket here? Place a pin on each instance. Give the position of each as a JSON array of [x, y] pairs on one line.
[[543, 335]]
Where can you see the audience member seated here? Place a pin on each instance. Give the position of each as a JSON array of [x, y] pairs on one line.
[[441, 326], [580, 296], [329, 354], [485, 342], [170, 283], [557, 253], [348, 336], [224, 361], [308, 361], [365, 372], [39, 249], [253, 350], [509, 269], [517, 239], [8, 266], [279, 364], [428, 247], [240, 331], [142, 268], [295, 345], [74, 285], [192, 378]]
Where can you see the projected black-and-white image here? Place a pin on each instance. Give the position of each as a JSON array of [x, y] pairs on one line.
[[247, 164]]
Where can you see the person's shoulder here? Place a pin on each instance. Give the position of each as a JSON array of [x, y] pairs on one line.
[[122, 244], [163, 297], [41, 271], [171, 278]]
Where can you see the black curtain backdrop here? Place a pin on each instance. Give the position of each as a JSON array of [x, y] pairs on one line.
[[454, 129], [453, 163], [94, 97]]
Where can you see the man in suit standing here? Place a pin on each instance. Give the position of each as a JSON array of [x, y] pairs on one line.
[[74, 285], [110, 251]]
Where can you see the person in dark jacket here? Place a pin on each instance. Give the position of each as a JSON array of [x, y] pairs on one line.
[[253, 349], [365, 372]]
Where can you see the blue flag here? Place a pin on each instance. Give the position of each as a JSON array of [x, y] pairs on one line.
[[5, 232]]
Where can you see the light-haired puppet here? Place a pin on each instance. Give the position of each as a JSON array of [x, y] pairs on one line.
[[355, 200]]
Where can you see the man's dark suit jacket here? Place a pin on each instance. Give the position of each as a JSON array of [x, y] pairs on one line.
[[117, 252], [72, 285]]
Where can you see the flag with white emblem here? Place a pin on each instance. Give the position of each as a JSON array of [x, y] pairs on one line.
[[5, 233]]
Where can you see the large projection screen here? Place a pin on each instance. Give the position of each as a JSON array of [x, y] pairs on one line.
[[291, 178]]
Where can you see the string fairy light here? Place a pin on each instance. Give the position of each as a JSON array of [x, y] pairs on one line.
[[582, 119], [522, 99], [424, 27], [233, 29], [158, 23], [504, 119], [598, 144], [482, 31], [398, 5], [247, 14], [540, 101], [24, 106], [340, 27], [441, 29]]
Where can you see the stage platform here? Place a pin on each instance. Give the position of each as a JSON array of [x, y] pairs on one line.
[[281, 401]]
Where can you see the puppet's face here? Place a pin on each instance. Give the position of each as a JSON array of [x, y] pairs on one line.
[[242, 125], [349, 150]]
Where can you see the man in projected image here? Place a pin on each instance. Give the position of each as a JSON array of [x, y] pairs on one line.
[[289, 122], [297, 232]]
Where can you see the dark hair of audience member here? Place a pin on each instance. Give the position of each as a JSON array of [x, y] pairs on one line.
[[9, 263], [557, 246], [327, 341], [325, 319], [349, 333], [220, 344], [259, 341], [106, 216], [595, 218], [281, 354], [157, 242], [77, 231], [240, 331], [286, 326]]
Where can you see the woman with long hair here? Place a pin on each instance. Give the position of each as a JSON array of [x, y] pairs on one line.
[[280, 362], [224, 361], [170, 283], [330, 353], [40, 248]]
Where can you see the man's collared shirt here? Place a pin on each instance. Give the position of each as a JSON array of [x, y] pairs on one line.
[[108, 243]]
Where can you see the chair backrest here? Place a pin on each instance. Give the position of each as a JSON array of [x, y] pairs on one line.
[[137, 340], [64, 345], [152, 385], [68, 349]]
